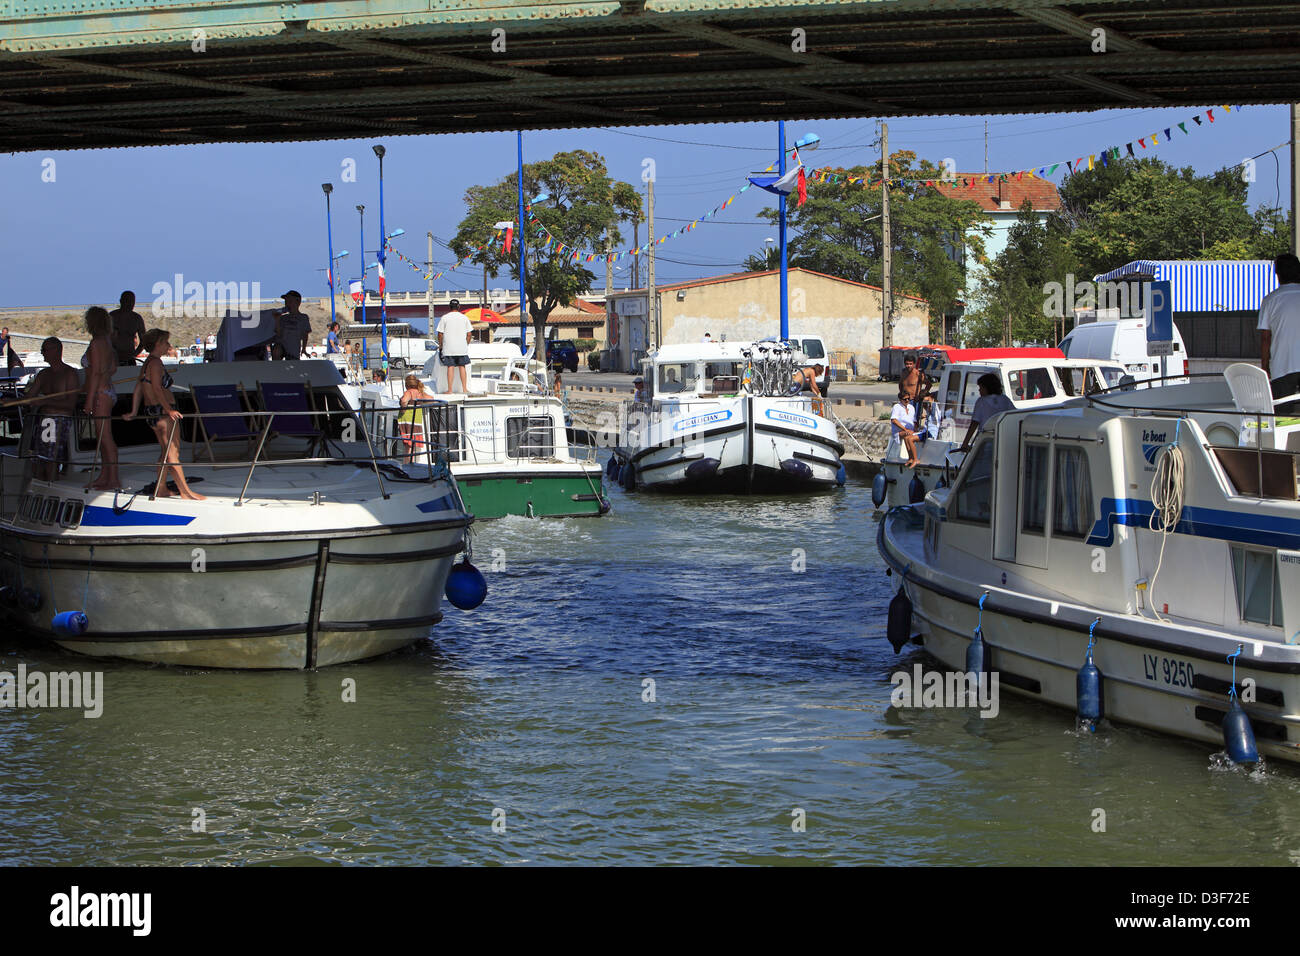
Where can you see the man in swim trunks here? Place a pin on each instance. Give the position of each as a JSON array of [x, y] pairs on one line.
[[101, 363], [127, 329], [53, 419]]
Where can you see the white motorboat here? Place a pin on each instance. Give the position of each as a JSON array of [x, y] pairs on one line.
[[1118, 519], [1030, 377], [719, 417], [308, 550], [507, 439]]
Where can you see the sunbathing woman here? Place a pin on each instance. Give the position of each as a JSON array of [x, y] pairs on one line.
[[160, 410]]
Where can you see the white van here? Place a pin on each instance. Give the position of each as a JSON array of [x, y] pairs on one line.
[[1124, 341]]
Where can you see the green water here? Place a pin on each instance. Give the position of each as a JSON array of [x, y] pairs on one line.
[[771, 694]]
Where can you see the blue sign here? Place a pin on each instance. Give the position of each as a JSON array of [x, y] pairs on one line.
[[1160, 318]]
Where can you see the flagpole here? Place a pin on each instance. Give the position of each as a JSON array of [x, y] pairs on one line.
[[785, 278], [329, 228], [523, 328], [365, 357], [383, 279]]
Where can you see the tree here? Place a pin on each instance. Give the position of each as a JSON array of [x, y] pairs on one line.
[[838, 231], [766, 259], [583, 211]]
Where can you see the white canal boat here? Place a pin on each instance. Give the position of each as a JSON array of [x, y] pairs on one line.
[[507, 440], [307, 551], [1120, 516], [718, 417], [1031, 378]]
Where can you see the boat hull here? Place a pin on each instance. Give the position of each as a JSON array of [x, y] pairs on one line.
[[570, 493], [1157, 676], [258, 602]]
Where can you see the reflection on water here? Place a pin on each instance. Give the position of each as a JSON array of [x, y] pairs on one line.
[[758, 628]]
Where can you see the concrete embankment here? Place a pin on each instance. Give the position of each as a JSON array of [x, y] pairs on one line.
[[865, 439]]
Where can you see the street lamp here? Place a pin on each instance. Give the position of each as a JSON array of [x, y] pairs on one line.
[[328, 188], [362, 210]]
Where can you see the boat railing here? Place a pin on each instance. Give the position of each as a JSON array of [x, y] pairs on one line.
[[258, 429]]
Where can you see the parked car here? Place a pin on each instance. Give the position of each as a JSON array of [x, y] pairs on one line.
[[1123, 341], [562, 353]]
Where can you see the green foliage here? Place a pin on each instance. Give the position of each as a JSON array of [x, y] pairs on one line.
[[584, 345], [584, 209], [838, 231], [767, 259], [593, 361]]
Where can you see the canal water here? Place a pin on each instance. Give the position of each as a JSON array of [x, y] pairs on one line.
[[529, 732]]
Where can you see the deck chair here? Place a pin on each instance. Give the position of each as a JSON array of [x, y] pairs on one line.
[[228, 424], [516, 370], [291, 397], [1252, 396]]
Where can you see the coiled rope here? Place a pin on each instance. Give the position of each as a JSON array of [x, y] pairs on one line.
[[1167, 492]]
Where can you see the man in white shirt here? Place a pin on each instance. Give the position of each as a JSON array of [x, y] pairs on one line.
[[454, 331], [902, 420], [1279, 328], [992, 402], [707, 337]]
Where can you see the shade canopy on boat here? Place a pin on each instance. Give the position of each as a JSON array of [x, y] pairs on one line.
[[244, 333]]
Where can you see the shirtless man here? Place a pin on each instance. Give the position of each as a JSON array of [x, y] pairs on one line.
[[101, 363], [53, 419], [912, 381]]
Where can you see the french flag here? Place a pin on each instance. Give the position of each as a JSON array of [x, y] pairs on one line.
[[793, 181]]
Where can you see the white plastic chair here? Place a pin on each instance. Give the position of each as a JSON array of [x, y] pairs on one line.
[[1253, 396]]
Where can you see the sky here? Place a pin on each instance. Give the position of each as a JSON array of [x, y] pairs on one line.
[[255, 213]]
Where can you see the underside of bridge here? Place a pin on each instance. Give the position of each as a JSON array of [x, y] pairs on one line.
[[78, 74]]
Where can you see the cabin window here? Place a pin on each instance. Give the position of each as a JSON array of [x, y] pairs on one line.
[[1259, 599], [1072, 514], [679, 377], [532, 437], [972, 393], [953, 391], [1031, 384], [1033, 488], [972, 498]]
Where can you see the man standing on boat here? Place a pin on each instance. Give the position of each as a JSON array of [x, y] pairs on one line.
[[912, 381], [1279, 329], [128, 329], [292, 327], [454, 331], [53, 420]]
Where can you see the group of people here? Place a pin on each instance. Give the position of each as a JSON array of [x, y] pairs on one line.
[[915, 418], [116, 340]]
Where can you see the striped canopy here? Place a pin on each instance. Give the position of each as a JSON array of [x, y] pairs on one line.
[[1216, 285]]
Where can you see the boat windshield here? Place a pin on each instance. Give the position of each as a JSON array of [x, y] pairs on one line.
[[676, 377]]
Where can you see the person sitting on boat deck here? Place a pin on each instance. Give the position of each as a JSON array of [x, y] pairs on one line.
[[100, 362], [292, 327], [928, 418], [454, 331], [1279, 330], [127, 329], [154, 391], [53, 419], [638, 390], [990, 403], [902, 422], [805, 380], [912, 381], [410, 420]]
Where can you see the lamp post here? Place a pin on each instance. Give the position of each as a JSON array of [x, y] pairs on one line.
[[328, 188], [523, 328], [808, 141], [362, 210], [383, 284]]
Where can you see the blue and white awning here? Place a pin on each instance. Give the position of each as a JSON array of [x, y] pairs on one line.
[[1217, 285]]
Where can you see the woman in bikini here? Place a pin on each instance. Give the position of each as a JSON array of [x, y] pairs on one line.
[[410, 419], [154, 388], [101, 363]]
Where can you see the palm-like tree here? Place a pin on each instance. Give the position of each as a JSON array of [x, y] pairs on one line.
[[766, 259]]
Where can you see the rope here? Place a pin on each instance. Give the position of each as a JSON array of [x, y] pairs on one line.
[[1232, 659], [1167, 491]]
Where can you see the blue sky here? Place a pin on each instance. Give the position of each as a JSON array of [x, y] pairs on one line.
[[128, 218]]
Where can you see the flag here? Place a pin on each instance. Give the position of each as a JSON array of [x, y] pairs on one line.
[[771, 182], [510, 237], [379, 267], [329, 278], [357, 290]]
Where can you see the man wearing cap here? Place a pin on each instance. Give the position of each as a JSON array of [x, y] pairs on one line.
[[638, 390], [454, 330], [292, 327]]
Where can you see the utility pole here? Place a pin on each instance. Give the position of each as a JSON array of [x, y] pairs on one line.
[[652, 305], [636, 256], [429, 282], [610, 318], [1295, 181], [887, 266]]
